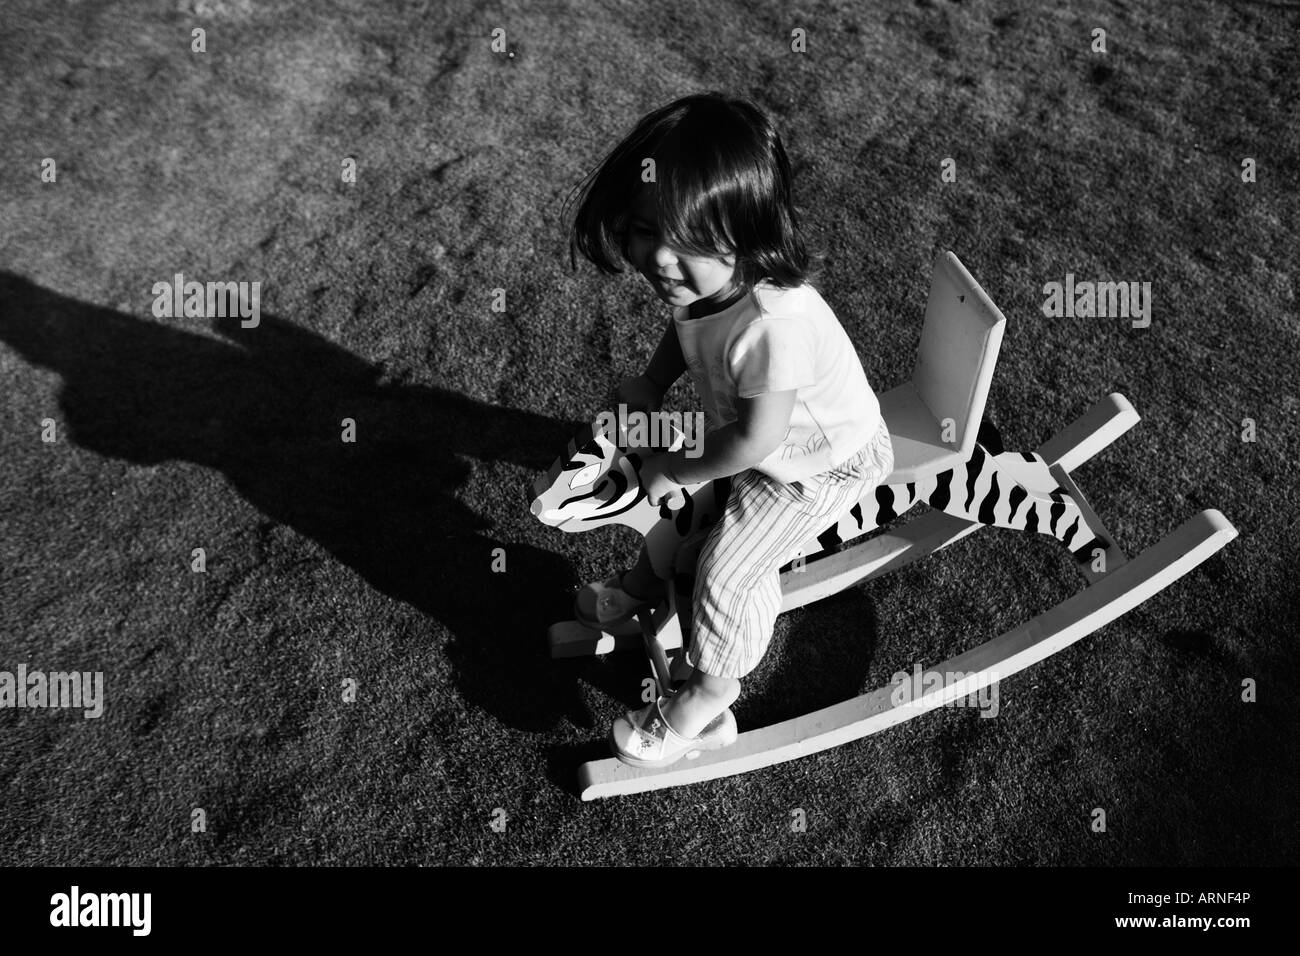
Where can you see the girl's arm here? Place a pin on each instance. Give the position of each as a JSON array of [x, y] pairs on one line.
[[668, 364], [762, 421]]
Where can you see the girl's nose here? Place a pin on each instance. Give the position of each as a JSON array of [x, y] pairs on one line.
[[663, 256]]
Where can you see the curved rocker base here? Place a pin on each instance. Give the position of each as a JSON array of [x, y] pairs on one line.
[[1111, 596]]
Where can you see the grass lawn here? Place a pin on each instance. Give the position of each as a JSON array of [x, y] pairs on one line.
[[371, 561]]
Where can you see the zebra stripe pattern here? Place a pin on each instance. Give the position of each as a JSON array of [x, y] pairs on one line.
[[595, 483]]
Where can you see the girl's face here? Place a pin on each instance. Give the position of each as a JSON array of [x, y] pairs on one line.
[[678, 278]]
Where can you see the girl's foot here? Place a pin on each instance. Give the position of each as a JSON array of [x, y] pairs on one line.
[[699, 701], [602, 606], [644, 738]]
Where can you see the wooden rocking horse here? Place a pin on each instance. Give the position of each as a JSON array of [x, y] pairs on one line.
[[968, 481]]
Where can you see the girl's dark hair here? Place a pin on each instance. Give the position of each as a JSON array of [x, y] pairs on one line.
[[722, 187]]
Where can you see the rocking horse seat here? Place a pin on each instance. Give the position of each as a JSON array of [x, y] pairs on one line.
[[918, 452]]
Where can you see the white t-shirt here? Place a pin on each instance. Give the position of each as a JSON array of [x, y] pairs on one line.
[[773, 340]]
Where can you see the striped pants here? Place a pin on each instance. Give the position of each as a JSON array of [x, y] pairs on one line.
[[737, 576]]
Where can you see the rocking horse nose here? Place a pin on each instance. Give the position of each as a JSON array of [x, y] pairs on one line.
[[535, 507]]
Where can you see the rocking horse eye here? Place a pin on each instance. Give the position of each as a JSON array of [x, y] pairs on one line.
[[586, 476]]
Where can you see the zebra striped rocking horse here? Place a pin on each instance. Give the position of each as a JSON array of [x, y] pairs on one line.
[[944, 457]]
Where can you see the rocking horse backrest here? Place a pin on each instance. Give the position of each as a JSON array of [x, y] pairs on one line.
[[959, 349]]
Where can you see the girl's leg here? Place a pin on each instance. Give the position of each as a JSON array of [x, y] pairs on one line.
[[738, 582], [640, 582]]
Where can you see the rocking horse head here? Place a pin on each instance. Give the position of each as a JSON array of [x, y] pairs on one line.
[[596, 482]]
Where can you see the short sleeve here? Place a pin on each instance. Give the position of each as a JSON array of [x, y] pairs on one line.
[[772, 355]]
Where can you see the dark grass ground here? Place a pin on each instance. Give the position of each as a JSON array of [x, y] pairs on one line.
[[371, 561]]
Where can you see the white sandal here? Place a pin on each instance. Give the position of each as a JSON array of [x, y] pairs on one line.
[[643, 738]]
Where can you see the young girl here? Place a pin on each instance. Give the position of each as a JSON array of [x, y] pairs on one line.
[[711, 226]]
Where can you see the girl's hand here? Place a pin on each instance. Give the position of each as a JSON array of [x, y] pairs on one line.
[[655, 480], [640, 394]]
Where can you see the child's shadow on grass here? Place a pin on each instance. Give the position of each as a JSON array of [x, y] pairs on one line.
[[264, 406]]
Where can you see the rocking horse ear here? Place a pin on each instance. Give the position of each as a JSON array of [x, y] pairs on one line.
[[989, 436]]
